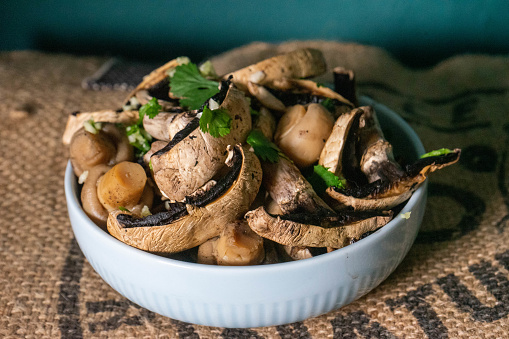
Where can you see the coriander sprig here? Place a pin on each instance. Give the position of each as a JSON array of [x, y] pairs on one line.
[[322, 178], [216, 122], [188, 84], [263, 147]]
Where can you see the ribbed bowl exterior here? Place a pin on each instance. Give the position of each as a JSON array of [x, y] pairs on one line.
[[254, 296]]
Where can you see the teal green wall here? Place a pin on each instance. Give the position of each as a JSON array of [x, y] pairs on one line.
[[417, 32]]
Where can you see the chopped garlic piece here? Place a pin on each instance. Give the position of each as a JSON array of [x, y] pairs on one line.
[[145, 211], [183, 60], [213, 104], [406, 215], [83, 177], [91, 126], [207, 69], [257, 77]]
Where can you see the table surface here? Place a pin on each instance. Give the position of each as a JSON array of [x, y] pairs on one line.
[[453, 283]]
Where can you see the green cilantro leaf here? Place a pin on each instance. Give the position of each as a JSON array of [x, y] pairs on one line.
[[254, 112], [123, 209], [188, 84], [215, 122], [150, 109], [263, 147], [139, 138], [322, 178], [328, 103], [436, 153]]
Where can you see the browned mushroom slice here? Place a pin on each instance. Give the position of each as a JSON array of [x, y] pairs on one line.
[[384, 195], [203, 217], [193, 157], [265, 122], [289, 189], [338, 231], [331, 156], [311, 87], [165, 125], [108, 146], [155, 84], [301, 63], [377, 160], [265, 97], [76, 120]]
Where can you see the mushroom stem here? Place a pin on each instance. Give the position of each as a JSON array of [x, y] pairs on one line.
[[122, 186]]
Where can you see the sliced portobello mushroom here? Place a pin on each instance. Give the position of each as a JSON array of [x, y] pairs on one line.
[[165, 125], [301, 63], [289, 189], [76, 120], [200, 218], [333, 232], [265, 123], [312, 88], [193, 157], [377, 160], [331, 156], [155, 85], [385, 195]]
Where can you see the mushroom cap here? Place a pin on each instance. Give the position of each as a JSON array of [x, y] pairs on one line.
[[108, 146], [195, 159], [200, 223]]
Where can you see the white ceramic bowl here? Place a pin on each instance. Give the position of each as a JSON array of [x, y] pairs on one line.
[[255, 296]]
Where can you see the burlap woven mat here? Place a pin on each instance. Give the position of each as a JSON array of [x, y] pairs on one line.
[[454, 283]]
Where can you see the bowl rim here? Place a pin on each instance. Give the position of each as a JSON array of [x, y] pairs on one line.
[[70, 185]]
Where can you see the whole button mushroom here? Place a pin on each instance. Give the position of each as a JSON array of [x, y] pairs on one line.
[[302, 133], [108, 145]]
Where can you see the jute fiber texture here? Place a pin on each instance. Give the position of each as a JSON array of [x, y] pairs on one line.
[[454, 283]]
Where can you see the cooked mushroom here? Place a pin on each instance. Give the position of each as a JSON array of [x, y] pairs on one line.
[[193, 157], [266, 98], [122, 186], [76, 120], [89, 200], [201, 218], [265, 122], [311, 87], [377, 161], [165, 125], [335, 232], [156, 84], [289, 189], [301, 63], [331, 156], [108, 146], [237, 245], [302, 132], [384, 195]]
